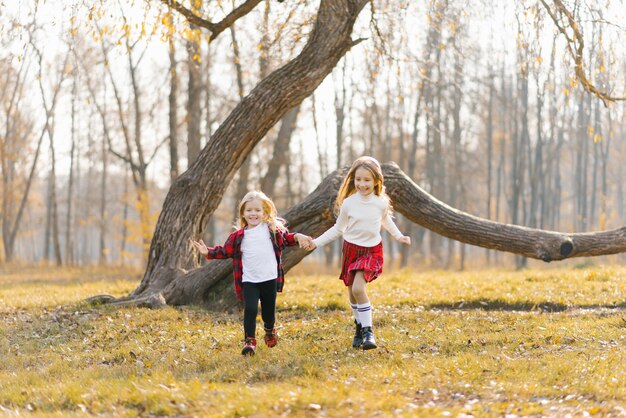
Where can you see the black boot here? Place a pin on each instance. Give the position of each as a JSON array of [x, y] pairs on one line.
[[358, 336], [369, 341]]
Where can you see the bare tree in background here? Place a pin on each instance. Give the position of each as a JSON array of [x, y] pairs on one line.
[[52, 218], [173, 107], [194, 88], [14, 141]]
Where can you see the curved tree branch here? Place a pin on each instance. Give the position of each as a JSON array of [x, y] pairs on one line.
[[422, 208], [214, 28], [562, 17]]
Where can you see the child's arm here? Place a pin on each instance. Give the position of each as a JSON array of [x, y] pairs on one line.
[[333, 232], [291, 239], [391, 227], [219, 251]]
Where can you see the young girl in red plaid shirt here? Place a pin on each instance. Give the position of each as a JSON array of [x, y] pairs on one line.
[[363, 207], [256, 249]]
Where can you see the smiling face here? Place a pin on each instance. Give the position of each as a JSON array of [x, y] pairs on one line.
[[364, 181], [253, 212]]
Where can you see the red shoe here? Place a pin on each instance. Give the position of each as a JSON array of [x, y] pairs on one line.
[[249, 347], [271, 338]]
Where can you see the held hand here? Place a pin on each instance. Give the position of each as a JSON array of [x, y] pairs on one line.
[[200, 246], [303, 240], [310, 245], [405, 240]]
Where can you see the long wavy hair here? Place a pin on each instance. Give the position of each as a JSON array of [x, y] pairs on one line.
[[270, 215], [347, 188]]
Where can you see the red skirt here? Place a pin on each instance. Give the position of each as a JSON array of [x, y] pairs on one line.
[[366, 259]]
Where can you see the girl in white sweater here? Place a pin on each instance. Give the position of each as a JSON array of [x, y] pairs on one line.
[[363, 208]]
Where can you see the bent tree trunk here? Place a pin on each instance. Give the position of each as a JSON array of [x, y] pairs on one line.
[[211, 285], [195, 195]]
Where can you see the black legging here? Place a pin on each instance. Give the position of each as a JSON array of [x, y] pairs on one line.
[[252, 293]]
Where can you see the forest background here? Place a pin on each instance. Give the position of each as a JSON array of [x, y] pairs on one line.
[[105, 104]]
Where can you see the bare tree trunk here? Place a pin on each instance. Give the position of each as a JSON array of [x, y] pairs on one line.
[[552, 166], [280, 154], [322, 154], [597, 145], [411, 167], [48, 228], [457, 187], [52, 222], [16, 133], [340, 104], [536, 172], [519, 158], [124, 223], [52, 218], [581, 168], [489, 155], [505, 136], [194, 96], [69, 240], [102, 259], [173, 113], [10, 226], [79, 207], [438, 172], [197, 194], [54, 214], [322, 158], [604, 149], [434, 162], [244, 170]]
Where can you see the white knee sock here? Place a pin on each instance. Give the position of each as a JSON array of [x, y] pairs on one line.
[[365, 313], [355, 312]]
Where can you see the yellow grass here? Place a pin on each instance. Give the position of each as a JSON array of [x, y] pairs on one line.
[[480, 343]]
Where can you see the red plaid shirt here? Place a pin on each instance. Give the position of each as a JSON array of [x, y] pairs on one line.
[[232, 249]]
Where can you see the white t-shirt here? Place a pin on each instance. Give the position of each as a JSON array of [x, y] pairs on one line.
[[359, 222], [258, 258]]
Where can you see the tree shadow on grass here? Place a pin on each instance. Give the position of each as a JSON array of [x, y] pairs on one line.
[[485, 304]]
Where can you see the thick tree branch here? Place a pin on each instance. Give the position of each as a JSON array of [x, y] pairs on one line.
[[422, 208], [211, 285]]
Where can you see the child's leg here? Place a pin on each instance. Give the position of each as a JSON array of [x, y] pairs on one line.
[[357, 291], [268, 312], [268, 303], [364, 307], [251, 295], [357, 341], [355, 312]]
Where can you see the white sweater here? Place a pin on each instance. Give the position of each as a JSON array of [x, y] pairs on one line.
[[359, 222]]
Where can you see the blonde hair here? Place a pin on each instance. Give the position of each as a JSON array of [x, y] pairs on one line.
[[270, 215], [347, 188]]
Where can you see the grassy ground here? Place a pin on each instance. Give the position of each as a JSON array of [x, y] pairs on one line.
[[481, 343]]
